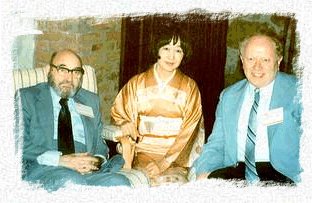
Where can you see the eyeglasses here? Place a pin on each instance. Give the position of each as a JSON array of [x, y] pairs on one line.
[[77, 72]]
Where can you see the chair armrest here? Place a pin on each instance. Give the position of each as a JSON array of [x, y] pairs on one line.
[[124, 147], [137, 178], [112, 133]]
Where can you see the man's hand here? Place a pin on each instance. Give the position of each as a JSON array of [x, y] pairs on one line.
[[82, 162], [202, 176], [129, 129]]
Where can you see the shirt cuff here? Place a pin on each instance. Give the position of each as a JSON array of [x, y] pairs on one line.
[[49, 158], [102, 157]]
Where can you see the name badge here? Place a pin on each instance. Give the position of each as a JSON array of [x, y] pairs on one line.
[[84, 110], [273, 117]]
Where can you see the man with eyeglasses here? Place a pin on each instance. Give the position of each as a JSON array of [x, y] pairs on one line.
[[62, 130]]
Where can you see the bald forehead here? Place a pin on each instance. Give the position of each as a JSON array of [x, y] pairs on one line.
[[262, 41], [66, 55]]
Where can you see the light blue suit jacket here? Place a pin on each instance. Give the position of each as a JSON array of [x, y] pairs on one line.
[[220, 151], [37, 121]]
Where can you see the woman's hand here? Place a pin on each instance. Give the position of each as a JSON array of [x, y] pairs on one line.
[[130, 129], [152, 169], [127, 147]]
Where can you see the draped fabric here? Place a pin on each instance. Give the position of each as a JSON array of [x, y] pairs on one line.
[[169, 118], [207, 34]]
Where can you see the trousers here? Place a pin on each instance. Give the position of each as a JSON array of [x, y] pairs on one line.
[[265, 171], [54, 177]]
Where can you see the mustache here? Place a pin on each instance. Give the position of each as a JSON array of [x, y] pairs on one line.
[[66, 82]]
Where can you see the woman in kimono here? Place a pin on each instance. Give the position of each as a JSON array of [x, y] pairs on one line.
[[160, 114]]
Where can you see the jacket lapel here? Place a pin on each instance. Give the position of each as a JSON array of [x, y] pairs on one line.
[[278, 100], [231, 116], [44, 101]]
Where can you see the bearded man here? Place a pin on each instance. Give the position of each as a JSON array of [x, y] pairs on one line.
[[61, 130]]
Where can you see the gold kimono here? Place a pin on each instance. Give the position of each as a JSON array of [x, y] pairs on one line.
[[168, 117]]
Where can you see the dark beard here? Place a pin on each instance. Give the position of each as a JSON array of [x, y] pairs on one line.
[[63, 94]]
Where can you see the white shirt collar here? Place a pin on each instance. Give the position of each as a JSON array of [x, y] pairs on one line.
[[264, 91], [56, 98]]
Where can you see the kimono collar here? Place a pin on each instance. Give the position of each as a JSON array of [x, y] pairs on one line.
[[160, 82]]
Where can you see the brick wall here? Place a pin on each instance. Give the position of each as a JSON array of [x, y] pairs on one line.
[[97, 41]]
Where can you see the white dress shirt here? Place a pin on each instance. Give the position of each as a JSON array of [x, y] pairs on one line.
[[262, 147], [51, 157]]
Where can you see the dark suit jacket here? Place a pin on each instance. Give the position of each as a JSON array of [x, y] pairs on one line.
[[284, 138], [34, 118]]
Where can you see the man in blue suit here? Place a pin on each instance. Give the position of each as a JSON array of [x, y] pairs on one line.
[[276, 137], [83, 157]]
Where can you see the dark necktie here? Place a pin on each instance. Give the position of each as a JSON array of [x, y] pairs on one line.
[[250, 170], [65, 133]]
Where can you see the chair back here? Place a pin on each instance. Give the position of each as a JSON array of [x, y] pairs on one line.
[[29, 77]]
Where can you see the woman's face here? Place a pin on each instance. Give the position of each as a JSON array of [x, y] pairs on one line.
[[170, 56]]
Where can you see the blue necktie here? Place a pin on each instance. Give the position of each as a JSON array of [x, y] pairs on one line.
[[250, 170]]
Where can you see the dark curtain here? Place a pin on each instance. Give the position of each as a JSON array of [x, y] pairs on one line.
[[207, 34], [289, 41]]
